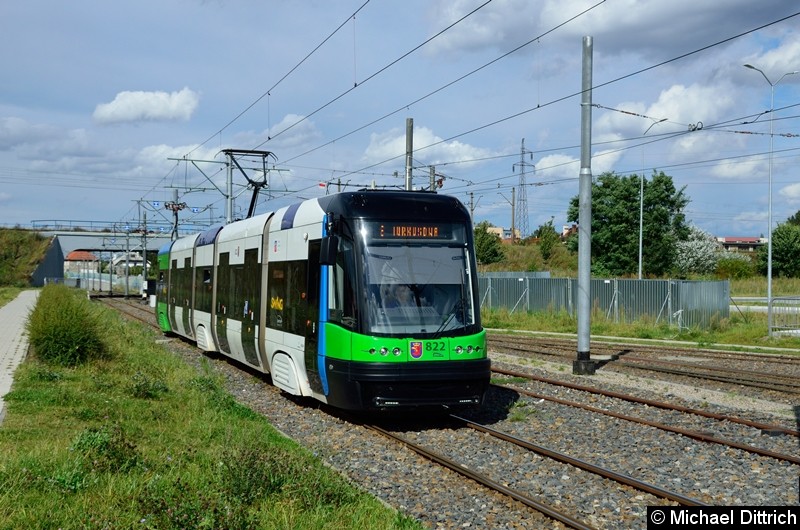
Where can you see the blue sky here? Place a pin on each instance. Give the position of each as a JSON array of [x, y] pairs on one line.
[[109, 107]]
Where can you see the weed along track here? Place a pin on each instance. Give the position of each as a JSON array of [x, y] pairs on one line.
[[634, 442]]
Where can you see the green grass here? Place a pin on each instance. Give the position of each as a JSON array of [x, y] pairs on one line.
[[20, 253], [136, 438], [8, 293], [748, 329], [758, 287]]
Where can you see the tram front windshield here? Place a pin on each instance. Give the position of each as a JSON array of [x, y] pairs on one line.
[[418, 279]]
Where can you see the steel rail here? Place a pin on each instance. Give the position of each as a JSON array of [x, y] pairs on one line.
[[545, 509], [677, 430], [586, 466], [653, 403]]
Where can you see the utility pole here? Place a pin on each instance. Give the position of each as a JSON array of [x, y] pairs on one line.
[[144, 254], [174, 206], [769, 208], [409, 150], [583, 365], [522, 200], [513, 226], [127, 260], [472, 206], [513, 223]]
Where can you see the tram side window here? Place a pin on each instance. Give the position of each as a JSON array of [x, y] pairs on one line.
[[277, 294], [203, 289], [342, 302], [237, 292], [288, 300], [251, 285], [174, 280]]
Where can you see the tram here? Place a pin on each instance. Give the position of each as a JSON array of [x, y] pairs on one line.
[[362, 300]]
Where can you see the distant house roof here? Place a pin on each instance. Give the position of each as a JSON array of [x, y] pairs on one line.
[[740, 239], [80, 255]]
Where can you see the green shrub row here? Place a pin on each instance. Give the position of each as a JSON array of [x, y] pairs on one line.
[[64, 328]]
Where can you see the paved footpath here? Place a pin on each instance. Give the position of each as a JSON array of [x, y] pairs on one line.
[[13, 339]]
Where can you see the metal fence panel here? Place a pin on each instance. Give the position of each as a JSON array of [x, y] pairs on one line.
[[642, 299], [504, 292], [697, 304], [550, 294], [677, 302], [786, 315]]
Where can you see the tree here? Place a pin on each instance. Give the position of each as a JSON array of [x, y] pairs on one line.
[[488, 248], [795, 219], [698, 253], [548, 239], [615, 223], [785, 251]]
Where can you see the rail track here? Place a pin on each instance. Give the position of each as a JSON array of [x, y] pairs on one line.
[[581, 455], [704, 436], [760, 374], [660, 495]]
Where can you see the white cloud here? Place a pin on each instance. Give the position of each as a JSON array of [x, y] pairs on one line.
[[498, 22], [148, 106], [15, 132], [740, 168], [779, 60], [792, 193], [292, 132], [557, 166], [392, 144]]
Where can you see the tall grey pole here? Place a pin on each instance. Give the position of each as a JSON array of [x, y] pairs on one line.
[[583, 364], [641, 197], [127, 261], [513, 220], [769, 207], [409, 150], [472, 208], [641, 214], [144, 247], [229, 192], [175, 214]]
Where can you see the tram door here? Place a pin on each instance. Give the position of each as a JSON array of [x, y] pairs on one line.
[[311, 353], [173, 292], [186, 278], [250, 290], [223, 301]]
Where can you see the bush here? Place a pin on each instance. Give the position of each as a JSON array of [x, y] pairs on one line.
[[63, 328], [735, 267]]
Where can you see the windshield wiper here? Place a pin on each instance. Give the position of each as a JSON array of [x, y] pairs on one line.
[[457, 307], [440, 330]]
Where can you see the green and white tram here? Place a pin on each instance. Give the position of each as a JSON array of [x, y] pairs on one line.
[[362, 300]]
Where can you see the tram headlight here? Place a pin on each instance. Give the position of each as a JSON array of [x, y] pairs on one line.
[[384, 351], [469, 348], [372, 351], [459, 350], [397, 351]]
